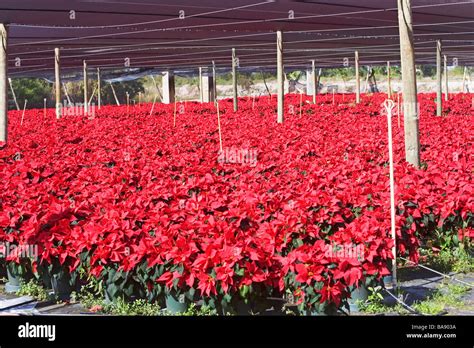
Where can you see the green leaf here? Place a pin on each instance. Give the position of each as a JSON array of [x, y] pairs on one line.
[[244, 290]]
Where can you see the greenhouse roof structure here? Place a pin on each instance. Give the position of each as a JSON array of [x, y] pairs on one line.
[[185, 34]]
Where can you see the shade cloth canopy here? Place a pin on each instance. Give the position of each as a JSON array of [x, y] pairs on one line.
[[185, 34]]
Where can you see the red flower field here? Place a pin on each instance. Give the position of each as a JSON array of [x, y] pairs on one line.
[[148, 207]]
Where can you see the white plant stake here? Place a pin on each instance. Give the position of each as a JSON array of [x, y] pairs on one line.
[[92, 95], [398, 108], [153, 105], [23, 114], [128, 104], [44, 109], [16, 102], [389, 105]]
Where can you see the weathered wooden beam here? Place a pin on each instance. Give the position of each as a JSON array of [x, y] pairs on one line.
[[99, 94], [315, 84], [446, 86], [3, 83], [439, 87], [389, 82], [356, 60], [86, 86], [57, 81], [410, 103], [280, 77], [234, 80], [168, 85]]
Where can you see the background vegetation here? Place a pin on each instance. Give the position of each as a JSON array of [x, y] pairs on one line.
[[35, 90]]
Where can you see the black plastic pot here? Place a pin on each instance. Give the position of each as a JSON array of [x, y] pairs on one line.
[[176, 304], [359, 294], [14, 280], [61, 285]]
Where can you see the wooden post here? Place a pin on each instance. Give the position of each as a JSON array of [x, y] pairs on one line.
[[214, 78], [66, 93], [234, 79], [86, 83], [446, 89], [410, 103], [115, 94], [18, 106], [153, 105], [208, 82], [174, 114], [92, 95], [57, 83], [464, 80], [99, 95], [201, 94], [169, 90], [157, 88], [219, 125], [128, 103], [301, 103], [280, 77], [366, 88], [23, 114], [356, 60], [315, 85], [439, 91], [389, 82], [3, 82]]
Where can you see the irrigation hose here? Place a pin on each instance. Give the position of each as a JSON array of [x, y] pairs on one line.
[[412, 310], [434, 271]]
